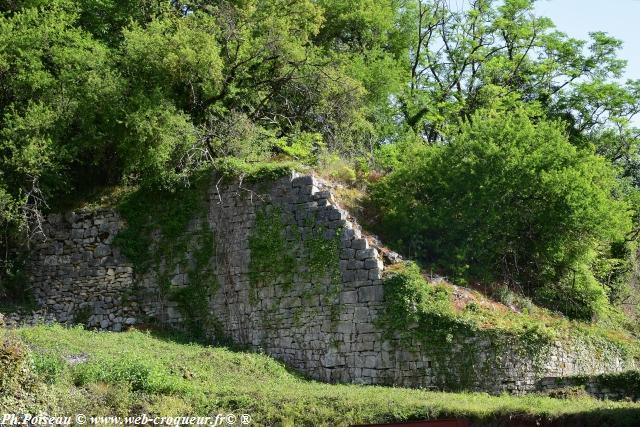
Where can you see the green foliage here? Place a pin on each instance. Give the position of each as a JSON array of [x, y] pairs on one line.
[[193, 298], [304, 147], [577, 294], [509, 199], [627, 382], [277, 258], [14, 364], [427, 315], [146, 92], [169, 214], [418, 309], [137, 374], [465, 59], [322, 255], [236, 136], [409, 297], [48, 367], [337, 169], [419, 312], [13, 284], [322, 259], [177, 55], [234, 168], [272, 261], [166, 135]]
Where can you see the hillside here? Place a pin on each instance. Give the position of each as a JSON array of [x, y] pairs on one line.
[[119, 374], [371, 201]]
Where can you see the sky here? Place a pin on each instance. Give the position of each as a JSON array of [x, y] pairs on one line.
[[619, 18]]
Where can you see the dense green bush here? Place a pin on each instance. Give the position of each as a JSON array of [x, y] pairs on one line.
[[412, 300], [509, 199]]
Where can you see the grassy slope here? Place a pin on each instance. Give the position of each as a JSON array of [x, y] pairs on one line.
[[135, 372]]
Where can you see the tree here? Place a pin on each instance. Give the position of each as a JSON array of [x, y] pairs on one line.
[[463, 60], [510, 200]]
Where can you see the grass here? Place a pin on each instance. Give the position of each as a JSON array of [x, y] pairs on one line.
[[104, 373], [455, 307]]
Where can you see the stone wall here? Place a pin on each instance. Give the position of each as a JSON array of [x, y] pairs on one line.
[[605, 387], [78, 275], [289, 273]]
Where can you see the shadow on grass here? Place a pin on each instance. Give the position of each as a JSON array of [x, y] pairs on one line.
[[181, 337]]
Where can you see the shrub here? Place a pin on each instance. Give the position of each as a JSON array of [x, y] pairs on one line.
[[14, 365], [508, 199], [577, 294], [413, 301], [337, 169]]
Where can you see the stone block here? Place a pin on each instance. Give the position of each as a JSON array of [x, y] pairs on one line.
[[354, 264], [373, 263], [347, 253], [370, 294], [361, 315], [102, 250], [359, 244], [348, 275], [362, 274], [363, 254]]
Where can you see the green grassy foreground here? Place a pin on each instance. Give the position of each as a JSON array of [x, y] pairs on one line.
[[102, 373]]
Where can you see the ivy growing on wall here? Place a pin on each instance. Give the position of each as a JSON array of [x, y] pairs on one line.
[[321, 256], [157, 237], [465, 345], [280, 254], [271, 260]]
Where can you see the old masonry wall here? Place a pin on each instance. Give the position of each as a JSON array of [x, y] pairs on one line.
[[280, 267]]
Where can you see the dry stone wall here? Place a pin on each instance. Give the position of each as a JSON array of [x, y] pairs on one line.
[[78, 275], [287, 272]]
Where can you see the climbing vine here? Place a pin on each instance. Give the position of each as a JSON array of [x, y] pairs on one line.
[[281, 254], [271, 259], [322, 255], [158, 237]]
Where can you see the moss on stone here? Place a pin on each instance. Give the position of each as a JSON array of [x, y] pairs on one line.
[[418, 312], [281, 255]]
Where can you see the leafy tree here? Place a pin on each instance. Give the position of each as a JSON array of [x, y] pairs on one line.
[[148, 91], [462, 60], [509, 199], [96, 93], [52, 76]]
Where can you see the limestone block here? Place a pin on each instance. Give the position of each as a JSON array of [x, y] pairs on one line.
[[359, 244]]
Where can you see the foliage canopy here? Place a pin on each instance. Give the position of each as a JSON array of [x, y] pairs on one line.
[[149, 92], [513, 201]]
